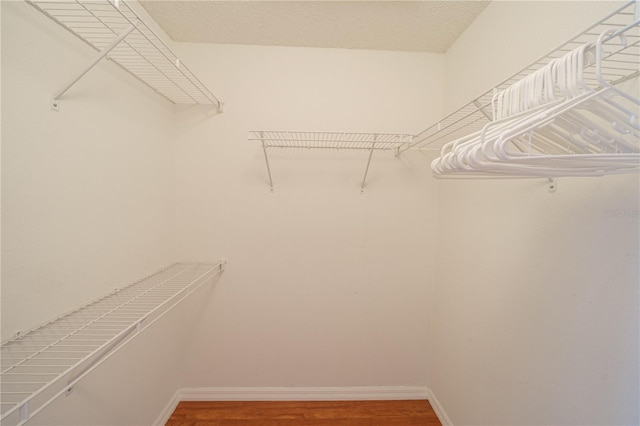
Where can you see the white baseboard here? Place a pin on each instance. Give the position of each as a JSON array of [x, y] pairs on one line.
[[168, 409], [439, 410], [304, 393]]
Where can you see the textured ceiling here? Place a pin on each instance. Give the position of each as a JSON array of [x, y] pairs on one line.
[[419, 26]]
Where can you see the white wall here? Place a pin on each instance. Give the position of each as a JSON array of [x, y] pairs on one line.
[[325, 286], [87, 198], [536, 303]]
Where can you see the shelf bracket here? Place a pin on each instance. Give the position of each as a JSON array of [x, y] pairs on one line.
[[481, 109], [266, 159], [366, 170], [553, 184], [55, 104], [24, 412]]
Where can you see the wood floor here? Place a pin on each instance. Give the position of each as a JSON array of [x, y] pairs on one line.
[[307, 413]]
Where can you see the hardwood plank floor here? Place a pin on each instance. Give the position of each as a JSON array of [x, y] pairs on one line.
[[307, 413]]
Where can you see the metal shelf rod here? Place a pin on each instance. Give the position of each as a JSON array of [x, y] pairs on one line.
[[366, 170]]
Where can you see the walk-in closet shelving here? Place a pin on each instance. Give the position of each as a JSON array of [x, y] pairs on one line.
[[622, 64], [613, 47], [115, 30], [42, 364], [369, 142]]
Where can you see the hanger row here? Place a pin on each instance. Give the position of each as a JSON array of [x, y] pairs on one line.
[[555, 123]]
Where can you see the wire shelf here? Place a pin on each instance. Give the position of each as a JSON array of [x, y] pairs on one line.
[[141, 52], [330, 140], [44, 363], [623, 64]]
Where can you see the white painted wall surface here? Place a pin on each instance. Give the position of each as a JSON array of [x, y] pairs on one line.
[[536, 303], [87, 206], [325, 286]]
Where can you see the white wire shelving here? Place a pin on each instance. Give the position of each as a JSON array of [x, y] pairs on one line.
[[622, 65], [45, 363], [369, 142], [114, 29]]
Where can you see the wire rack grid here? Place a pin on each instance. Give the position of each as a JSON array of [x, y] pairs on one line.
[[141, 53], [330, 140], [622, 64], [44, 363]]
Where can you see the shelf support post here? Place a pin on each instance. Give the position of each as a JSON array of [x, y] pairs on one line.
[[24, 412], [266, 159], [104, 52], [481, 109], [366, 170]]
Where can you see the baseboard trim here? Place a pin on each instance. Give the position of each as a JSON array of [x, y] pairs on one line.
[[303, 393], [439, 410], [168, 409]]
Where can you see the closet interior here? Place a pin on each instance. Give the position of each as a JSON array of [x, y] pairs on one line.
[[401, 291]]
